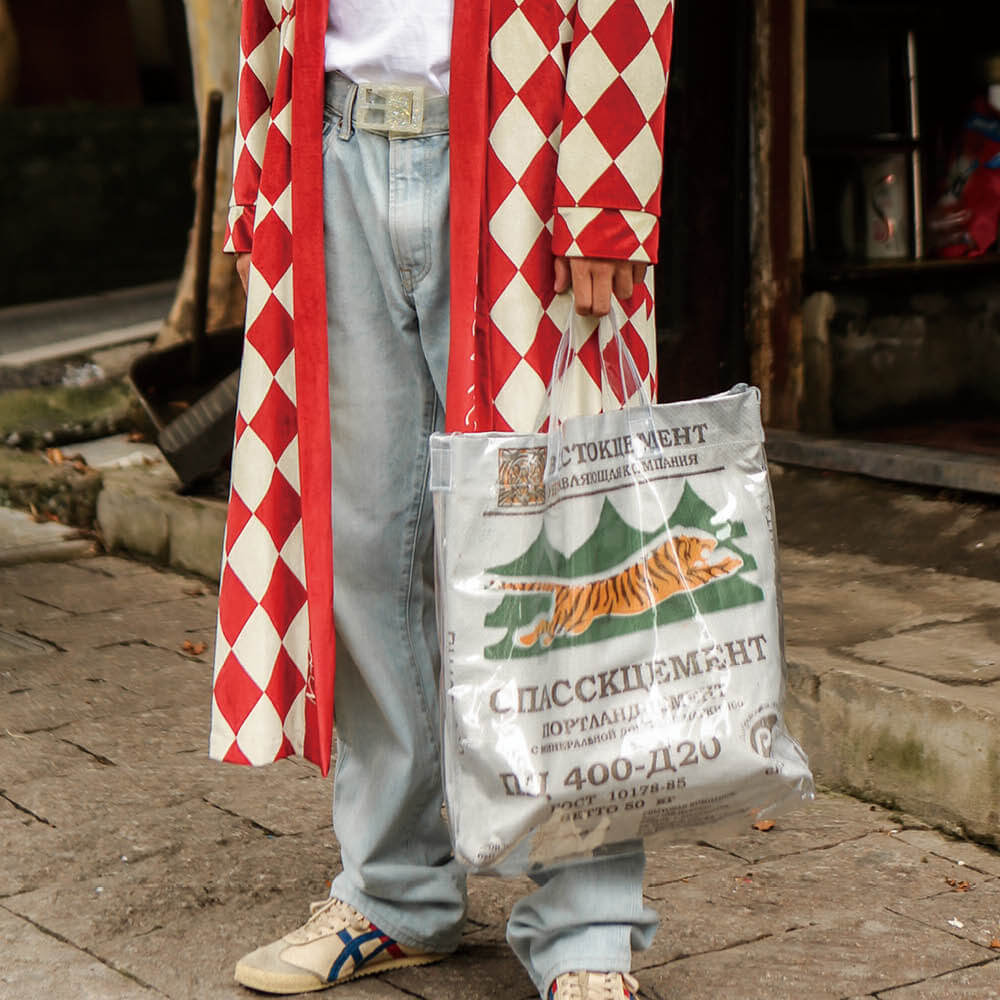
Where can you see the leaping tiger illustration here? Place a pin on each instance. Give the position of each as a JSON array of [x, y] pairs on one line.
[[677, 564]]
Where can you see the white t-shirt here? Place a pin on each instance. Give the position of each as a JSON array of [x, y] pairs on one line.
[[391, 41]]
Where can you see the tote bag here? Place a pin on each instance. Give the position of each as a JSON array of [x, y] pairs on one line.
[[609, 612]]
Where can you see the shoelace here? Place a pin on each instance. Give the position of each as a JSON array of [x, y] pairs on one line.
[[326, 917], [599, 986]]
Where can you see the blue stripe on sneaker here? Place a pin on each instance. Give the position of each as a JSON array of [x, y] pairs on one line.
[[352, 950]]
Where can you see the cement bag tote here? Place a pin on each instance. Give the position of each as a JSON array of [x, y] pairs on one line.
[[609, 611]]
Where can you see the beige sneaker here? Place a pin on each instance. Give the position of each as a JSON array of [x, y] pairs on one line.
[[594, 986], [334, 945]]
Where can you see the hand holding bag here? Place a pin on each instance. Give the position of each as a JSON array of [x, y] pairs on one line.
[[609, 611]]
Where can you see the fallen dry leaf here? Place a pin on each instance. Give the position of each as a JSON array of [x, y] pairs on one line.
[[194, 648], [995, 943], [54, 455], [959, 886], [137, 436], [764, 825]]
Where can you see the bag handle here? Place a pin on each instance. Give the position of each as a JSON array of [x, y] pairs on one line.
[[638, 417]]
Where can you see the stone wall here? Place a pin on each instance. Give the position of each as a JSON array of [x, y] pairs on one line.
[[925, 347], [95, 198]]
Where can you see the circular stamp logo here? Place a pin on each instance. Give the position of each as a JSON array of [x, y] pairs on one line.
[[760, 731]]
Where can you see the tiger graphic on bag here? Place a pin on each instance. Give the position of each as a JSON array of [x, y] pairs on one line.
[[677, 564]]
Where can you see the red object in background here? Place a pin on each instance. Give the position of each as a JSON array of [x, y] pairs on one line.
[[75, 52], [966, 218]]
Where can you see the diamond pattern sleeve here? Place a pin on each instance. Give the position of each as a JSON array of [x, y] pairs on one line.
[[607, 192], [260, 51]]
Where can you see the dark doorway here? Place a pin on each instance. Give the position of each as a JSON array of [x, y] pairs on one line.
[[703, 272]]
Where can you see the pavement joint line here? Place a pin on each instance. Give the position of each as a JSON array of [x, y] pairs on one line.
[[51, 647], [651, 993], [245, 819], [986, 615], [923, 922], [403, 989], [777, 857], [152, 930], [949, 682], [988, 876], [725, 850], [46, 604], [87, 951], [53, 729], [939, 975], [100, 758], [97, 571], [800, 852], [716, 951], [25, 809]]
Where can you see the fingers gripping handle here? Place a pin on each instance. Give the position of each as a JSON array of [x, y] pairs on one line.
[[639, 417]]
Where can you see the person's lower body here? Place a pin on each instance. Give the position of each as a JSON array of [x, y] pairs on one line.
[[386, 222]]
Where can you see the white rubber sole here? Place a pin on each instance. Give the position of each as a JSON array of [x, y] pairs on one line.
[[284, 984]]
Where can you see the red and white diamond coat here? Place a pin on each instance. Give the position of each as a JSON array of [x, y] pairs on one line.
[[557, 111]]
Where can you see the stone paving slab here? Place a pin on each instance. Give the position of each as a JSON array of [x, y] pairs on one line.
[[977, 859], [979, 982], [24, 835], [726, 908], [475, 972], [31, 709], [900, 525], [114, 681], [72, 587], [42, 754], [960, 653], [31, 958], [180, 920], [822, 824], [24, 539], [860, 954], [676, 862], [153, 736], [973, 915], [15, 609], [104, 847], [837, 600], [190, 619]]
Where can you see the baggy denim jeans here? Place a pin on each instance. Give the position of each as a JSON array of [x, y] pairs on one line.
[[386, 224]]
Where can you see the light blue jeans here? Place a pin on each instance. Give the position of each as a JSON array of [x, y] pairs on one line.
[[386, 222]]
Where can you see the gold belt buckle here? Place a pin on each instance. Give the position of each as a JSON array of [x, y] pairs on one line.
[[389, 109]]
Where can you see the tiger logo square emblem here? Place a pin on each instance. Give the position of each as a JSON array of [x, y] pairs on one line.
[[520, 478]]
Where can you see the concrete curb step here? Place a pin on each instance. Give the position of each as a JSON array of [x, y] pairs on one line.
[[908, 742], [134, 508], [142, 514]]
